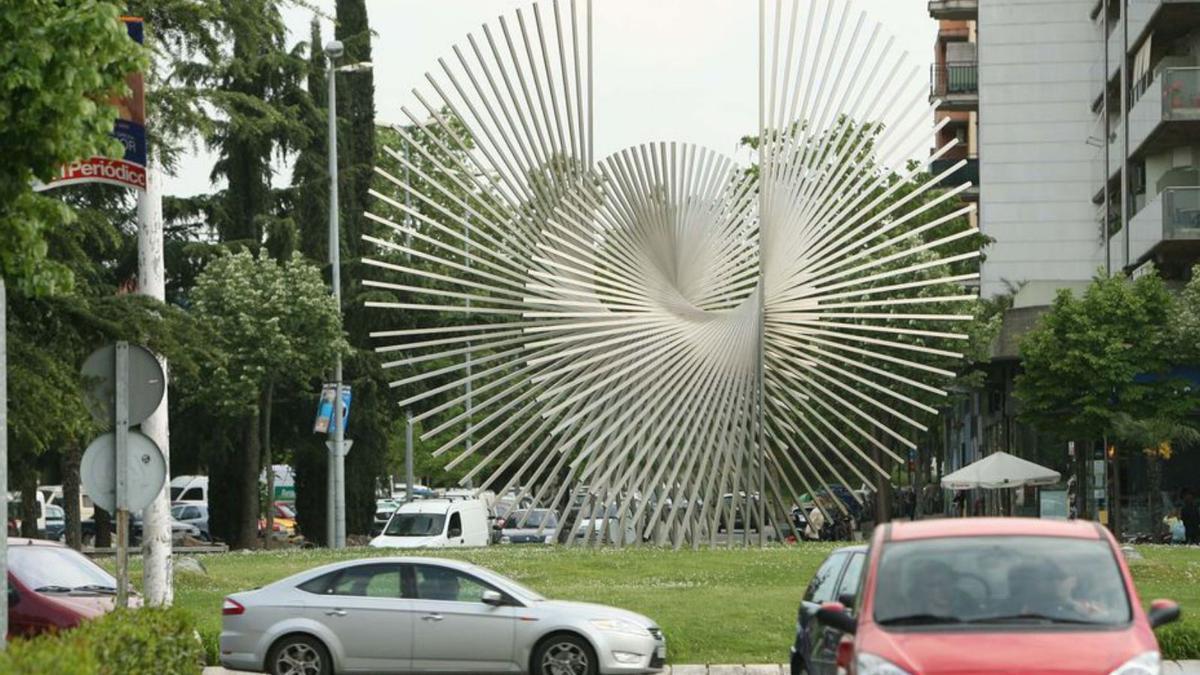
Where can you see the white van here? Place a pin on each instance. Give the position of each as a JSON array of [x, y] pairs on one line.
[[189, 489], [436, 523]]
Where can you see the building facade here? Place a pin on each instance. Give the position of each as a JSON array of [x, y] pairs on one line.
[[1081, 123]]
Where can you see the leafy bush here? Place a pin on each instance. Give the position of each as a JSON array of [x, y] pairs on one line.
[[125, 641], [1179, 642]]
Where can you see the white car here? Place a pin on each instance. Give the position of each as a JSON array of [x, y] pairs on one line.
[[391, 615], [437, 523]]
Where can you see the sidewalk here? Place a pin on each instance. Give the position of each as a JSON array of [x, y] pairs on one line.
[[1169, 668]]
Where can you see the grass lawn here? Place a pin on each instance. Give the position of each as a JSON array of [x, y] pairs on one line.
[[716, 606]]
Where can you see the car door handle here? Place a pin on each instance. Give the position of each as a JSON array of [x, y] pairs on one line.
[[336, 612], [432, 617]]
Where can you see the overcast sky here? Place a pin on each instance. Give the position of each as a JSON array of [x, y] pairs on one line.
[[682, 70]]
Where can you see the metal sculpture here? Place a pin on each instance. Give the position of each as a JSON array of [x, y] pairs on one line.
[[668, 345]]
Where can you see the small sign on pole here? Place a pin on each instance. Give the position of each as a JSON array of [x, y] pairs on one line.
[[325, 423], [125, 470]]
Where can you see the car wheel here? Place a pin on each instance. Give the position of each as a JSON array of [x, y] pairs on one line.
[[299, 655], [565, 654]]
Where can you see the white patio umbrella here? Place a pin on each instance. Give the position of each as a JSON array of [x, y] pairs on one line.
[[1000, 470]]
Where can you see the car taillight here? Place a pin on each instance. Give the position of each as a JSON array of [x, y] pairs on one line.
[[232, 608]]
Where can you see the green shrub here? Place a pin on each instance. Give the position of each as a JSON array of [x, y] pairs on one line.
[[48, 654], [124, 642], [1179, 642]]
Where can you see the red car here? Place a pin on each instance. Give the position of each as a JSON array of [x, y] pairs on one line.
[[52, 587], [996, 595]]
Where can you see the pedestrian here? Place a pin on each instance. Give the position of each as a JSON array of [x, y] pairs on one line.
[[816, 523], [1190, 515]]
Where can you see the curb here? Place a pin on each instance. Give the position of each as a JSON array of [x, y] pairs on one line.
[[1169, 668]]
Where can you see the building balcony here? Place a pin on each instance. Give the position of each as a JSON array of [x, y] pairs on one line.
[[1166, 231], [969, 172], [954, 9], [1168, 113], [956, 83]]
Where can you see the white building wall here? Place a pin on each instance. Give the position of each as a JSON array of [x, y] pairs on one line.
[[1036, 80]]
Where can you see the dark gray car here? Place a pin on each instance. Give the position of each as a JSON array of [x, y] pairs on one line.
[[532, 526]]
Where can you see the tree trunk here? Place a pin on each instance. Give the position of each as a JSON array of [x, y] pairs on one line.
[[71, 495], [1114, 502], [251, 456], [266, 441], [102, 520], [29, 504], [1154, 465]]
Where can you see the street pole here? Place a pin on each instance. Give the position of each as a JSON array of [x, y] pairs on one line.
[[336, 516], [157, 574], [408, 459], [470, 407]]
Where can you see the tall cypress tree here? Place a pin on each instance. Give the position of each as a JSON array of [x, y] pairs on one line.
[[310, 177], [356, 133]]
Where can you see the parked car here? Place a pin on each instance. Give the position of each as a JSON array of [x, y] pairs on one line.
[[387, 615], [56, 522], [838, 578], [285, 516], [533, 526], [192, 514], [54, 495], [1012, 595], [192, 489], [436, 523], [605, 526], [52, 587], [178, 530], [384, 508]]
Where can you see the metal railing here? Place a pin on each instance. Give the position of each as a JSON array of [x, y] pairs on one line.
[[968, 172], [1181, 213], [1181, 93], [954, 78]]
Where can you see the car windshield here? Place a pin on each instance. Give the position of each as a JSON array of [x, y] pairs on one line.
[[1000, 580], [284, 511], [54, 568], [54, 512], [416, 525], [534, 519]]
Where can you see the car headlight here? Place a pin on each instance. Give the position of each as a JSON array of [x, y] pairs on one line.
[[1148, 663], [620, 626], [869, 664]]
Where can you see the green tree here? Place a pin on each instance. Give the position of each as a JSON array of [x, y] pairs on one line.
[[356, 131], [310, 177], [63, 63], [1082, 360], [279, 328], [256, 85]]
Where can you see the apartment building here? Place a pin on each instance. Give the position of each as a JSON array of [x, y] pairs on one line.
[[1081, 119]]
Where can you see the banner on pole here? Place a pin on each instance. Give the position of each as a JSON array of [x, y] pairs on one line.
[[129, 128], [325, 423]]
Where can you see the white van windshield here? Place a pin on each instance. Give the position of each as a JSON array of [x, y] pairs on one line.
[[416, 525]]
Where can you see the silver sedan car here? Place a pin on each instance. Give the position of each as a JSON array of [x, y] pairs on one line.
[[415, 615]]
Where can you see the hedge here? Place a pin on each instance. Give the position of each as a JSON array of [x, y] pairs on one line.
[[124, 641]]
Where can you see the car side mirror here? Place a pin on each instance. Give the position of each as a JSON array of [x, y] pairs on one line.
[[848, 600], [833, 614], [454, 532], [1163, 612], [492, 598]]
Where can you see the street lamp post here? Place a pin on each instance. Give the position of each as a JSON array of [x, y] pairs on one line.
[[335, 518]]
